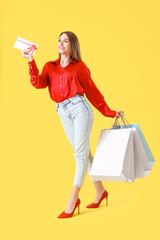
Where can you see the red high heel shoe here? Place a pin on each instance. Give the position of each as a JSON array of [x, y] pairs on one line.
[[96, 205], [67, 215]]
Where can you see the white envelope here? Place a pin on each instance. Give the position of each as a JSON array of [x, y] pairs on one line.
[[25, 44]]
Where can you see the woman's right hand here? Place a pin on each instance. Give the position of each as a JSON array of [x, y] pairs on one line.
[[27, 55], [119, 113]]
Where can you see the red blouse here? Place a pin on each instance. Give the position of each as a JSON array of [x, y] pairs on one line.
[[66, 82]]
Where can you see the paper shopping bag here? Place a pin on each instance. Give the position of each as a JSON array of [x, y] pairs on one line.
[[120, 156], [144, 142]]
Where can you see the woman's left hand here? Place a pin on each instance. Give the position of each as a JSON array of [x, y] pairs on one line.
[[118, 113]]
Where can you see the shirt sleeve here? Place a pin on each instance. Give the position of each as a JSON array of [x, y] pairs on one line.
[[93, 94], [38, 80]]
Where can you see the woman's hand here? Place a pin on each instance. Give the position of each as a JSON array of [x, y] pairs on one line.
[[118, 113], [27, 55]]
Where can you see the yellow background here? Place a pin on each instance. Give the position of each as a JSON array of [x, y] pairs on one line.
[[119, 43]]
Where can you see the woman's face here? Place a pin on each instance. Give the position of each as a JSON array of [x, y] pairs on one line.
[[64, 46]]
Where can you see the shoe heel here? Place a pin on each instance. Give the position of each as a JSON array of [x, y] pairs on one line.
[[106, 201], [78, 209]]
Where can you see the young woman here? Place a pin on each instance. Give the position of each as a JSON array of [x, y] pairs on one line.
[[68, 78]]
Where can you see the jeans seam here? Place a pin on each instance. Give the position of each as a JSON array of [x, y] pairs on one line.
[[85, 148], [82, 180], [85, 141], [83, 177]]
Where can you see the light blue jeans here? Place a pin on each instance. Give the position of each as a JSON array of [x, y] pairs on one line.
[[77, 118]]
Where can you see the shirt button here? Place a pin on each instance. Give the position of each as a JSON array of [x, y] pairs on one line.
[[61, 94], [60, 76], [60, 85]]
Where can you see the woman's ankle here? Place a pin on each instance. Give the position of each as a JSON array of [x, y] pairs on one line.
[[100, 191]]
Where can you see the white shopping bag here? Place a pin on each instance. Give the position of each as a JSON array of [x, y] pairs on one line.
[[120, 156]]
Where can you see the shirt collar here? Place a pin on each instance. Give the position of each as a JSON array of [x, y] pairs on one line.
[[58, 61]]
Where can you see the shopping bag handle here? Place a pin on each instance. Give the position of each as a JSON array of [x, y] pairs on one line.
[[114, 126], [125, 119], [122, 117]]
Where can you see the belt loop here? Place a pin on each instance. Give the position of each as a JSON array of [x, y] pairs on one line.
[[80, 96]]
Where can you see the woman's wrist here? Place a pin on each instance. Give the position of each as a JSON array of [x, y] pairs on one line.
[[31, 59]]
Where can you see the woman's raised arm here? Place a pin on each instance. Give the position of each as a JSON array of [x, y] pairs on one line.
[[37, 80]]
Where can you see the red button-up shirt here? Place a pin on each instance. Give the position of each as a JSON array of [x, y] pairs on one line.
[[66, 82]]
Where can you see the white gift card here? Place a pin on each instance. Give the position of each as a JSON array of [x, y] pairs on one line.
[[27, 45]]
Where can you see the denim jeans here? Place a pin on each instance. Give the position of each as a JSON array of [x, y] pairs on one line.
[[77, 118]]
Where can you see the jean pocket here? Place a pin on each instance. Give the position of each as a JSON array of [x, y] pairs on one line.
[[76, 100]]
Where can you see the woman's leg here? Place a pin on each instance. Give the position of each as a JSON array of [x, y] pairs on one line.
[[83, 123], [99, 190], [72, 199], [98, 184], [69, 130], [78, 134], [77, 139], [82, 129]]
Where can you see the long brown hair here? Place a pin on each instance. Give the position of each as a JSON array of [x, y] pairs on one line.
[[75, 46]]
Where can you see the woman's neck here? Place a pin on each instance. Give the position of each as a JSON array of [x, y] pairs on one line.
[[65, 58]]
